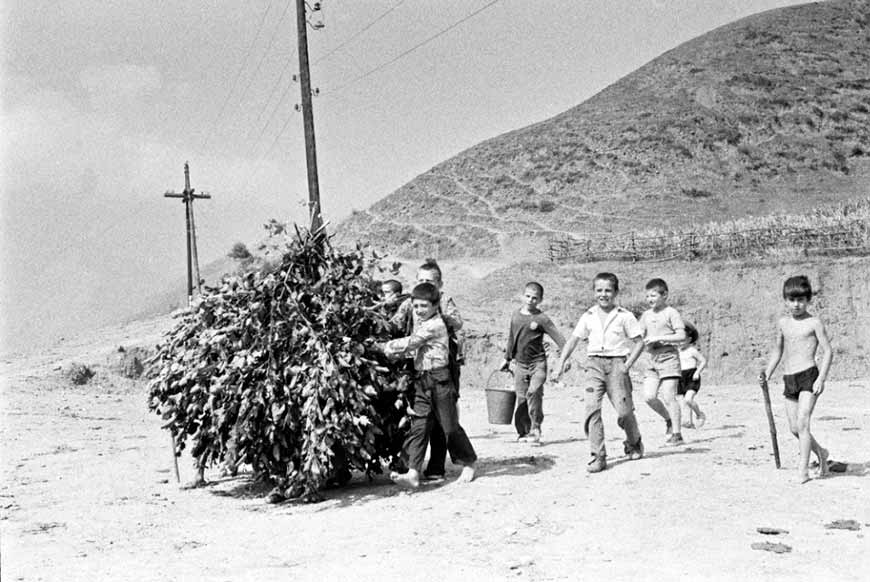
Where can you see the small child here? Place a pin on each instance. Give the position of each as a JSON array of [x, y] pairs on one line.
[[799, 337], [613, 346], [663, 332], [434, 394], [692, 363], [526, 346]]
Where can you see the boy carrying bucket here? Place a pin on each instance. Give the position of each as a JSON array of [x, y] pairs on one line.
[[526, 346]]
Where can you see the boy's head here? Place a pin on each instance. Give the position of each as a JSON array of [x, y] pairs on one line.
[[606, 288], [798, 286], [533, 293], [429, 272], [797, 293], [391, 289], [691, 334], [425, 299], [656, 293]]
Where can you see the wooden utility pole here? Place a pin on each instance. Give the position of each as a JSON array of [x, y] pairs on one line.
[[308, 118], [188, 196]]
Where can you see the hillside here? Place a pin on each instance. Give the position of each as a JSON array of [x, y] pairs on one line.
[[749, 119]]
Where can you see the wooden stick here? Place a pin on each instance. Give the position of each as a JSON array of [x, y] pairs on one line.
[[175, 459], [764, 390]]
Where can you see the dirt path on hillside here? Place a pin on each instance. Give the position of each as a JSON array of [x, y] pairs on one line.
[[88, 494]]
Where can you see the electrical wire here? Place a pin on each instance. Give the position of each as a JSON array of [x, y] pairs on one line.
[[238, 76], [357, 34], [417, 46]]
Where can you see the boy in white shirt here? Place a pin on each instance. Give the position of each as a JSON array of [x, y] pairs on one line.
[[614, 344]]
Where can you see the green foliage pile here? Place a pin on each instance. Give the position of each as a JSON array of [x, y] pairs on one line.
[[275, 364]]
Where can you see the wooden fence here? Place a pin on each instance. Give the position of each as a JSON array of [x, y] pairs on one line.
[[852, 237]]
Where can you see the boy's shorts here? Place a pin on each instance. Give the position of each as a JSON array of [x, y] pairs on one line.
[[800, 382], [687, 382], [663, 365]]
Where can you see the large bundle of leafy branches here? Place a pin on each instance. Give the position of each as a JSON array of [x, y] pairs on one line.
[[273, 365]]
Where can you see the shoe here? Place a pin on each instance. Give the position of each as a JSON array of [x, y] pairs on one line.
[[669, 427], [674, 440], [523, 438], [433, 475], [635, 453], [597, 464], [534, 437], [700, 420], [689, 424]]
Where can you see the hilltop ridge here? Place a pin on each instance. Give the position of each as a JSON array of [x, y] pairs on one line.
[[745, 120]]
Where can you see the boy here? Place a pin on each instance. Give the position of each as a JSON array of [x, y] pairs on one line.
[[663, 331], [526, 346], [692, 363], [391, 290], [403, 323], [799, 336], [434, 394], [614, 344]]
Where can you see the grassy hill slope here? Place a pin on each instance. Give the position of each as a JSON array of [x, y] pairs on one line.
[[753, 118]]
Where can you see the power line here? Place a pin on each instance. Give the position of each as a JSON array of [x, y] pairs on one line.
[[238, 75], [413, 48], [263, 58], [356, 35]]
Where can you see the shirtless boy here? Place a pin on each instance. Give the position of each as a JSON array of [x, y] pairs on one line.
[[799, 337]]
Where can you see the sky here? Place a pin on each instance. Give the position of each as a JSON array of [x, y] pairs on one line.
[[104, 102]]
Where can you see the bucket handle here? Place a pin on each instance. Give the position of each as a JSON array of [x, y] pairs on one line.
[[493, 374]]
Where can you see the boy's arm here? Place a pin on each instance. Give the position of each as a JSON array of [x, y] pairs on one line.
[[827, 357], [775, 354], [565, 354], [636, 350], [702, 363], [551, 330], [509, 350], [451, 314], [397, 322], [409, 344]]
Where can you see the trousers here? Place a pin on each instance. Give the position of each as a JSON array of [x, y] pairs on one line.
[[607, 375]]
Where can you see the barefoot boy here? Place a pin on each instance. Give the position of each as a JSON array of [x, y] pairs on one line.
[[613, 346], [663, 331], [434, 393], [799, 336], [526, 346], [403, 322]]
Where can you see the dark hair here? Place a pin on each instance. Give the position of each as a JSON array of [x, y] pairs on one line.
[[431, 265], [536, 286], [393, 285], [657, 284], [426, 292], [691, 333], [607, 277], [798, 286]]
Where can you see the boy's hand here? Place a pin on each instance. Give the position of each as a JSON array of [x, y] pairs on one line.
[[505, 366], [696, 376], [818, 386], [762, 379]]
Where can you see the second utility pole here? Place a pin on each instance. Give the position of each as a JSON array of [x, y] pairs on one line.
[[308, 118]]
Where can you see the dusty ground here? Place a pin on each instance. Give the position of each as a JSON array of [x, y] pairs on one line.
[[88, 494]]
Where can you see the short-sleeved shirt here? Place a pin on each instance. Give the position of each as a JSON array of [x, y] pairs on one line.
[[664, 322], [610, 337], [690, 357]]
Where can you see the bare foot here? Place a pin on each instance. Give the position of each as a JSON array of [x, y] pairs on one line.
[[411, 479], [824, 470], [467, 474], [700, 420], [196, 483], [803, 478]]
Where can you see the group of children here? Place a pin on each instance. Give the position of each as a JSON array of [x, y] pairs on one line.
[[615, 340]]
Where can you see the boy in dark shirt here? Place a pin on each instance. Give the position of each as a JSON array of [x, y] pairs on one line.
[[526, 346]]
